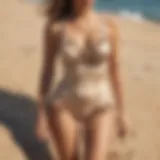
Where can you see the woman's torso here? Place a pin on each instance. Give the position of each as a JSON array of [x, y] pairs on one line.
[[85, 49]]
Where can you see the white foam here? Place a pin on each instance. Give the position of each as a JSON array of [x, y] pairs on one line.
[[135, 16]]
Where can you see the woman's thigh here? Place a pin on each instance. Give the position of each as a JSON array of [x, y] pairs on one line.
[[98, 134], [63, 129]]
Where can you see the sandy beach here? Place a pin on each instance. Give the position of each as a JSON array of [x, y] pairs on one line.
[[20, 63]]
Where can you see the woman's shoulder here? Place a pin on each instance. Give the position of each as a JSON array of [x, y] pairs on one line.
[[54, 28], [110, 23]]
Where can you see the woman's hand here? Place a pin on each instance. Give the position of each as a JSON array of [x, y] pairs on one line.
[[41, 128], [123, 126]]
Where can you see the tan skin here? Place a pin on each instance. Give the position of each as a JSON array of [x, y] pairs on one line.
[[62, 125]]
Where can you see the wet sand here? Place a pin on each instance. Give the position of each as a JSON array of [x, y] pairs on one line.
[[20, 62]]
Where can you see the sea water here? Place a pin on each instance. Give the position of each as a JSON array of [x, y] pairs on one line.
[[133, 9]]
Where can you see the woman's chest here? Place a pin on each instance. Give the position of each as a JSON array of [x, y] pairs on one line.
[[88, 45]]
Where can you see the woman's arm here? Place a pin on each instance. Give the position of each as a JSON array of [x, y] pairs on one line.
[[116, 79], [115, 69], [49, 54]]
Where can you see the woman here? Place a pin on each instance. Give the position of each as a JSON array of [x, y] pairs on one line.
[[90, 88]]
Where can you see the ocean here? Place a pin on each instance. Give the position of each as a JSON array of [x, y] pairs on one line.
[[133, 9]]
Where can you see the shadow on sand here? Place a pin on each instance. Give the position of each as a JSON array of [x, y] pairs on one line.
[[18, 114]]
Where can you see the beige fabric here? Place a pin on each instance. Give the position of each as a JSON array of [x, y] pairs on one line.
[[85, 85]]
